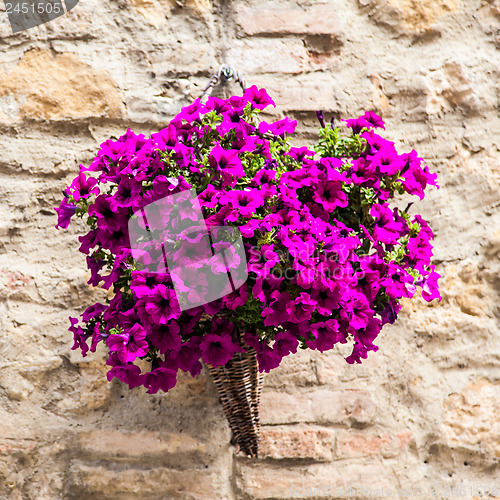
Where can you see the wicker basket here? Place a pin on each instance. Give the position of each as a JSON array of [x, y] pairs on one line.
[[239, 384]]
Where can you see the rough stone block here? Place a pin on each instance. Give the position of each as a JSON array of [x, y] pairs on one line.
[[47, 86], [318, 405], [264, 55], [319, 18], [353, 444], [129, 483], [297, 442], [360, 480]]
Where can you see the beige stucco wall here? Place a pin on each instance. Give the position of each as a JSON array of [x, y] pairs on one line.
[[421, 413]]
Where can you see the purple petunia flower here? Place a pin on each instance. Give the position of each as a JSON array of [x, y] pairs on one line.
[[129, 374], [375, 142], [357, 124], [65, 211], [93, 311], [278, 128], [209, 197], [326, 335], [114, 240], [191, 112], [233, 121], [129, 190], [222, 217], [144, 283], [160, 378], [330, 195], [237, 298], [79, 336], [245, 202], [258, 97], [416, 178], [162, 305], [387, 229], [262, 261], [419, 248], [108, 218], [185, 357], [323, 224], [165, 337], [227, 164], [321, 118], [430, 289], [83, 187], [264, 287], [359, 352], [285, 343], [276, 312], [97, 336], [398, 283], [217, 350], [301, 308], [327, 299], [300, 154], [387, 161], [220, 106], [267, 357], [373, 119], [130, 344], [364, 173], [263, 176], [356, 310], [304, 177]]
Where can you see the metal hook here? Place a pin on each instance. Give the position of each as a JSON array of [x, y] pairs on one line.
[[225, 74]]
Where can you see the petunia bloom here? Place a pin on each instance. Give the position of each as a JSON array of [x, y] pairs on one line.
[[130, 344], [217, 350], [278, 128], [227, 164], [65, 211]]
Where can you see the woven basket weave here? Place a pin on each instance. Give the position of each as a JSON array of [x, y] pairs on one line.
[[239, 384]]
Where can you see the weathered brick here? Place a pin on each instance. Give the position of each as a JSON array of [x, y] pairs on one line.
[[137, 483], [451, 86], [320, 18], [154, 11], [17, 285], [176, 56], [298, 370], [297, 442], [302, 93], [117, 443], [465, 289], [489, 18], [470, 416], [329, 366], [16, 387], [352, 444], [409, 16], [264, 55], [318, 405], [47, 86], [316, 481], [45, 481]]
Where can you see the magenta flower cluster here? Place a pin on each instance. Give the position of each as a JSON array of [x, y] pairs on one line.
[[328, 257]]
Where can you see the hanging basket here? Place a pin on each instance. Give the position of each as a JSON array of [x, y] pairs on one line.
[[239, 384], [362, 228]]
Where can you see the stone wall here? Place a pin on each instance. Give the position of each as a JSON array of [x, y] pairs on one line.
[[421, 413]]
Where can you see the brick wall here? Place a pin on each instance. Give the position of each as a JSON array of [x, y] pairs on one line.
[[420, 413]]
